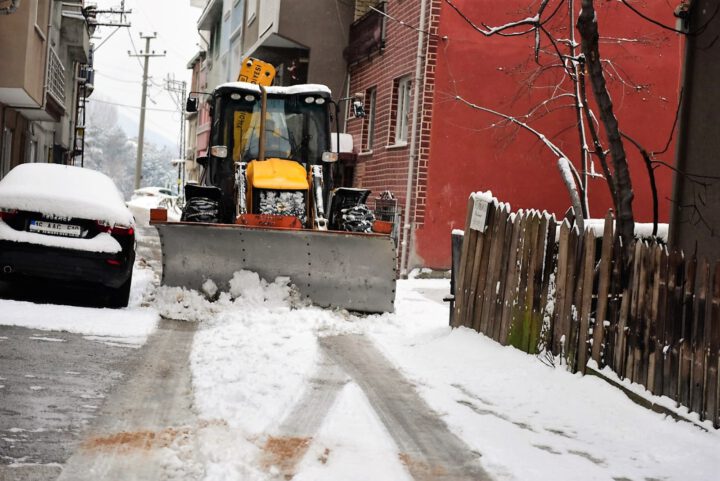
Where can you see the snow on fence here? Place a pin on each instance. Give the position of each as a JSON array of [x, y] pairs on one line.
[[523, 283]]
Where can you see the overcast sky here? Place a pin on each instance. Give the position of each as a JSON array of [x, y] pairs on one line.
[[118, 77]]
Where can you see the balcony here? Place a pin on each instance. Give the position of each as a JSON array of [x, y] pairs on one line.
[[55, 91], [75, 32], [367, 35]]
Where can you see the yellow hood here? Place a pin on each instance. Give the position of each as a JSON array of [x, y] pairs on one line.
[[278, 174]]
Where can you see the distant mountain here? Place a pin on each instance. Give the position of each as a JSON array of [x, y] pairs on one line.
[[130, 126]]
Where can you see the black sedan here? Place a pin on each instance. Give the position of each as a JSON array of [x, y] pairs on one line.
[[66, 224]]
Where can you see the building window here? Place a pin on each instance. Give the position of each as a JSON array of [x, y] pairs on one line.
[[368, 134], [401, 105], [215, 38], [5, 158]]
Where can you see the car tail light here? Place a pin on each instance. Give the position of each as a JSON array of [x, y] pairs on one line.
[[114, 262], [6, 214], [119, 229]]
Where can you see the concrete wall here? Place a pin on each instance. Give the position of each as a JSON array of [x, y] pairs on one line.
[[24, 54], [321, 25], [696, 212]]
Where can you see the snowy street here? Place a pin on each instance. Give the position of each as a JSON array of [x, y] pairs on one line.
[[257, 385]]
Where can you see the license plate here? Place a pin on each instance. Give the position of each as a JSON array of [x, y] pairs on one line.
[[55, 228]]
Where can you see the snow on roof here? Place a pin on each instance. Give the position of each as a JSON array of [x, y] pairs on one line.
[[292, 90], [65, 191]]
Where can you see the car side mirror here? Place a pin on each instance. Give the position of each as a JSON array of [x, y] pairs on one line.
[[191, 105], [202, 160]]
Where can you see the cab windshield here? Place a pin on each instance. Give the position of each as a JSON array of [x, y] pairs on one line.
[[296, 127]]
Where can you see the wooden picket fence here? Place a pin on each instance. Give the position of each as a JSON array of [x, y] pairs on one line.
[[657, 324]]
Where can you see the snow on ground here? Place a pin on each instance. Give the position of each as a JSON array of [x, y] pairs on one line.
[[126, 326], [256, 348]]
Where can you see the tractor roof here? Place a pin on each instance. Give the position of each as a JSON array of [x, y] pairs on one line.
[[292, 90]]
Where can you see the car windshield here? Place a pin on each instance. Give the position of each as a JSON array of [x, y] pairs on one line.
[[295, 127]]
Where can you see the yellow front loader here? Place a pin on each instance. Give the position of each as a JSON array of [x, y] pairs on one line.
[[266, 202]]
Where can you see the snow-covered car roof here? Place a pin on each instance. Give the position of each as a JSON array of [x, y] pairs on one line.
[[153, 191], [65, 191]]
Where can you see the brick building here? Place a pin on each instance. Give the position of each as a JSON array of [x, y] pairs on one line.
[[459, 149]]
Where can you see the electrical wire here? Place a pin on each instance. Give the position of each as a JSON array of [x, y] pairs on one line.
[[135, 50], [133, 106], [411, 27]]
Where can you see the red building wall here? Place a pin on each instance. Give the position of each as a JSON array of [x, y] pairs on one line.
[[469, 154], [465, 150]]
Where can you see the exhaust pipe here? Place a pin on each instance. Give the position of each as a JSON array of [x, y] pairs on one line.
[[7, 270]]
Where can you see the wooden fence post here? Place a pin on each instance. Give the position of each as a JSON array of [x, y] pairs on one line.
[[654, 349], [586, 301], [698, 342], [673, 323], [511, 287], [712, 410], [487, 236], [536, 271], [494, 261], [520, 306], [469, 239], [548, 274], [643, 357], [621, 337], [576, 299], [561, 291], [603, 290], [686, 354]]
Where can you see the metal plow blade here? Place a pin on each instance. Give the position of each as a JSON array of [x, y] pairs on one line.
[[333, 269]]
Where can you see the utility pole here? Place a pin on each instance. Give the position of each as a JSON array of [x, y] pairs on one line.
[[141, 133], [178, 87]]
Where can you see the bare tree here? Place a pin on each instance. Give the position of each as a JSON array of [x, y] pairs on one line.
[[579, 66]]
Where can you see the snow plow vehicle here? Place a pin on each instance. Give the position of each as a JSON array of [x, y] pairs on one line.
[[266, 203]]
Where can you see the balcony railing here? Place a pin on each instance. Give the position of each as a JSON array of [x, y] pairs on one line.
[[56, 78], [367, 35]]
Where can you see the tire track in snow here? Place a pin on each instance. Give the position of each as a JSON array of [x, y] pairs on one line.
[[297, 430], [146, 430], [427, 447]]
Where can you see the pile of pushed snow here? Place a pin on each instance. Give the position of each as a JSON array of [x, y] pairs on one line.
[[247, 290]]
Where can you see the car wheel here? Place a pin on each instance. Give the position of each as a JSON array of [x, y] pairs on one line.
[[120, 296]]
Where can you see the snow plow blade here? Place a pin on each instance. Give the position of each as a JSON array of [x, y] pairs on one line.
[[332, 269]]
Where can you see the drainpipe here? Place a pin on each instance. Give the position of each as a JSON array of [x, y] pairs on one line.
[[419, 63]]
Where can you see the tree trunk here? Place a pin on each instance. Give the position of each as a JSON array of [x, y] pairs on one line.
[[588, 28]]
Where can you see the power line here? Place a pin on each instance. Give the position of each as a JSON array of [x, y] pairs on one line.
[[406, 25], [151, 109]]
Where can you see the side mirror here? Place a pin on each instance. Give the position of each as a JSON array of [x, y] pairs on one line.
[[329, 157], [202, 160], [191, 105]]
